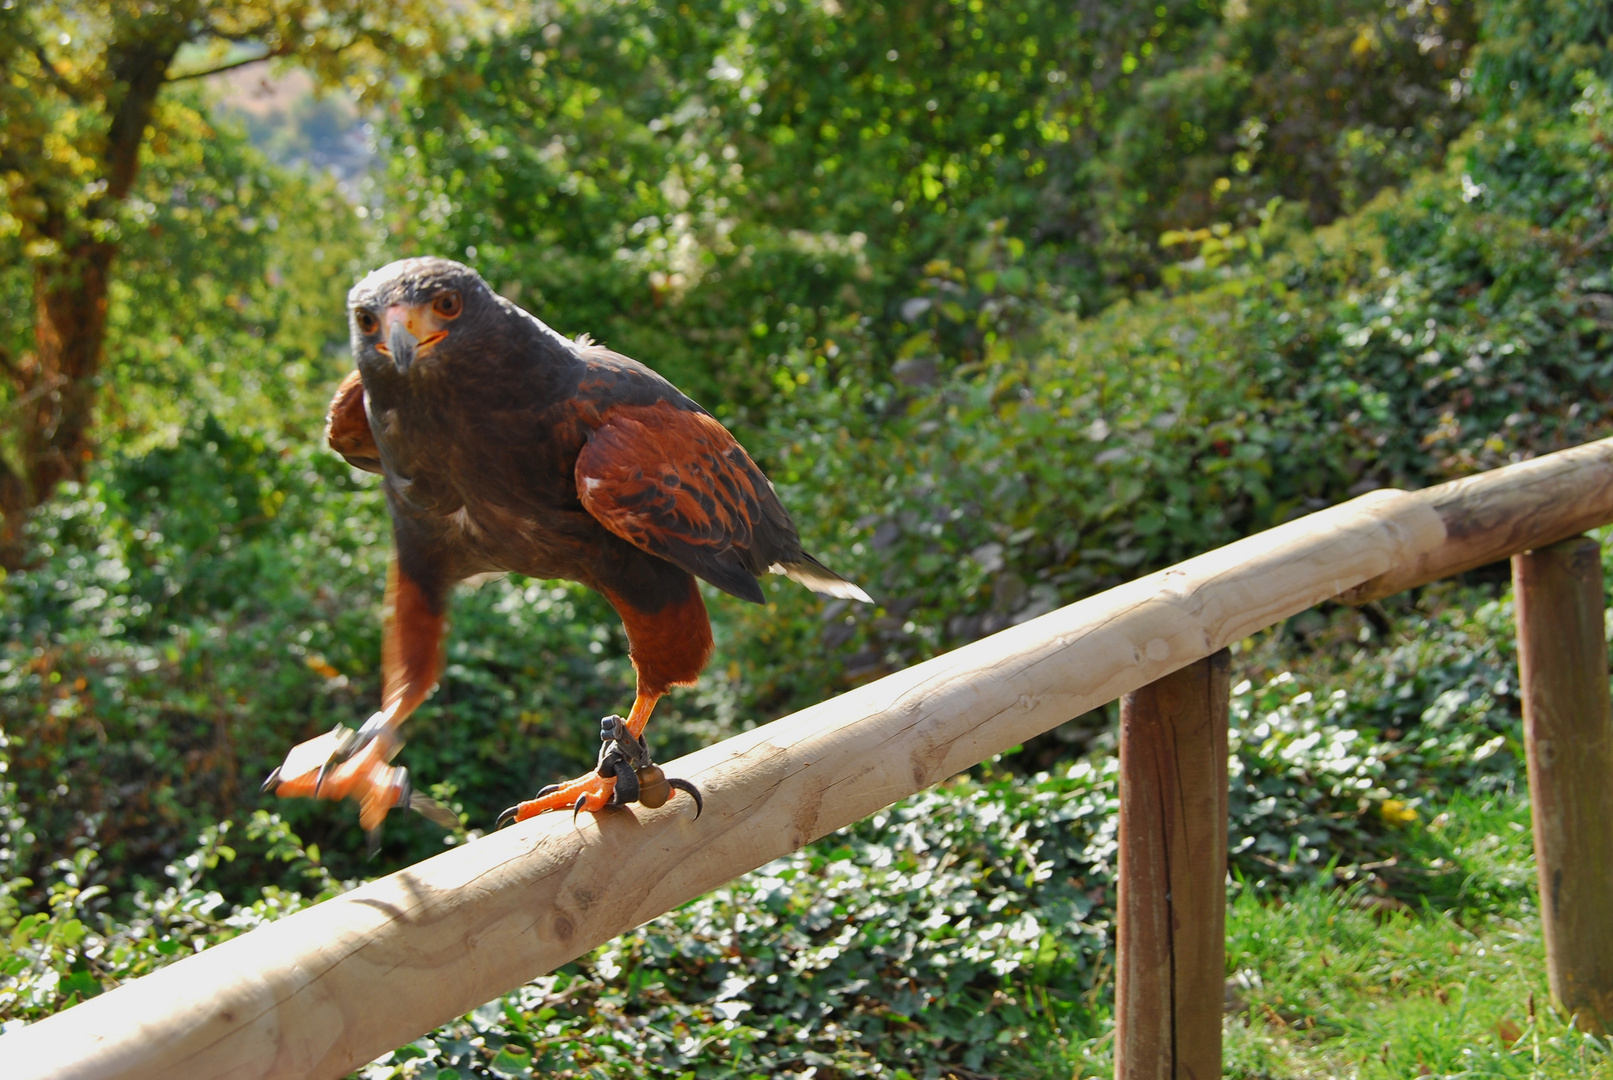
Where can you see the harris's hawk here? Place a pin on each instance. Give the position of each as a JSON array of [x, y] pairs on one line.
[[503, 446]]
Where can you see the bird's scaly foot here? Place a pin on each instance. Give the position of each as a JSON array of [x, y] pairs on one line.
[[624, 774], [347, 764]]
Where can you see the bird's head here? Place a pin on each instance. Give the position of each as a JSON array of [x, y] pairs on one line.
[[417, 312]]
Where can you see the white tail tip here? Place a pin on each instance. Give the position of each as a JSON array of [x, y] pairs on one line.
[[822, 581]]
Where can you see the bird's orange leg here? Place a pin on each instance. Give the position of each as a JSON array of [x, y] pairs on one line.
[[592, 792], [669, 646], [343, 764]]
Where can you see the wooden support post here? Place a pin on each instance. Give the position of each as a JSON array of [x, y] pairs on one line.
[[1171, 949], [1568, 736]]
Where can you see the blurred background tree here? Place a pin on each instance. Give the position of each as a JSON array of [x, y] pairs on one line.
[[718, 182], [1014, 303], [84, 110]]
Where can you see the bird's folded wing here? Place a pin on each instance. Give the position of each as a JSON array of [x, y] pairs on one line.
[[673, 482], [347, 428]]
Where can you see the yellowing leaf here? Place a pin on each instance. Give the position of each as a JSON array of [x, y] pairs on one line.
[[323, 667], [1396, 812]]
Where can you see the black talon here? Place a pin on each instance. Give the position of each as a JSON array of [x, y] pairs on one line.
[[425, 805], [693, 792], [508, 816], [546, 789], [274, 778], [433, 811], [582, 800]]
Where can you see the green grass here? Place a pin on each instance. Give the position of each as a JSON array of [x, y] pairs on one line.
[[1350, 983], [1346, 978]]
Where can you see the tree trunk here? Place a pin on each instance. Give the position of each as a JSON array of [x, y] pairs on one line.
[[56, 387], [69, 332]]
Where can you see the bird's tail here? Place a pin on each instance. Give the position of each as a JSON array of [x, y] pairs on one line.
[[819, 578]]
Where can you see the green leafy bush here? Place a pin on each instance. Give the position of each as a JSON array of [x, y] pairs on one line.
[[73, 947], [960, 927]]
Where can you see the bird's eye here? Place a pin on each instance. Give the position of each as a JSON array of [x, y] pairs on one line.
[[367, 322], [448, 305]]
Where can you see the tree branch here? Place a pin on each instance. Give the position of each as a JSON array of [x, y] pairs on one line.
[[231, 66], [57, 79]]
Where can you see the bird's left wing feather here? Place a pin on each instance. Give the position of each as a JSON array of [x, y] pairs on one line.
[[672, 481]]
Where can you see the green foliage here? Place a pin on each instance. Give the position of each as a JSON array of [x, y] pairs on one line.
[[1323, 111], [966, 926], [82, 102], [232, 277], [228, 274], [72, 948], [1443, 330], [1321, 771], [1536, 50], [706, 185], [82, 80], [711, 185]]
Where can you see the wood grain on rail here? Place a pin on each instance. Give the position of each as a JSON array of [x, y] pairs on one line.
[[1494, 515]]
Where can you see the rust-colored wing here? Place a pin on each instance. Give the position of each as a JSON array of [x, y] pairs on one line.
[[347, 429], [672, 481]]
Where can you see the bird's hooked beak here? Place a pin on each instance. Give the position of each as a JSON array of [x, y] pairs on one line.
[[411, 330]]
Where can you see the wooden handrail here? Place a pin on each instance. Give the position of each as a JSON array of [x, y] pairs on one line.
[[323, 991], [1494, 515]]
